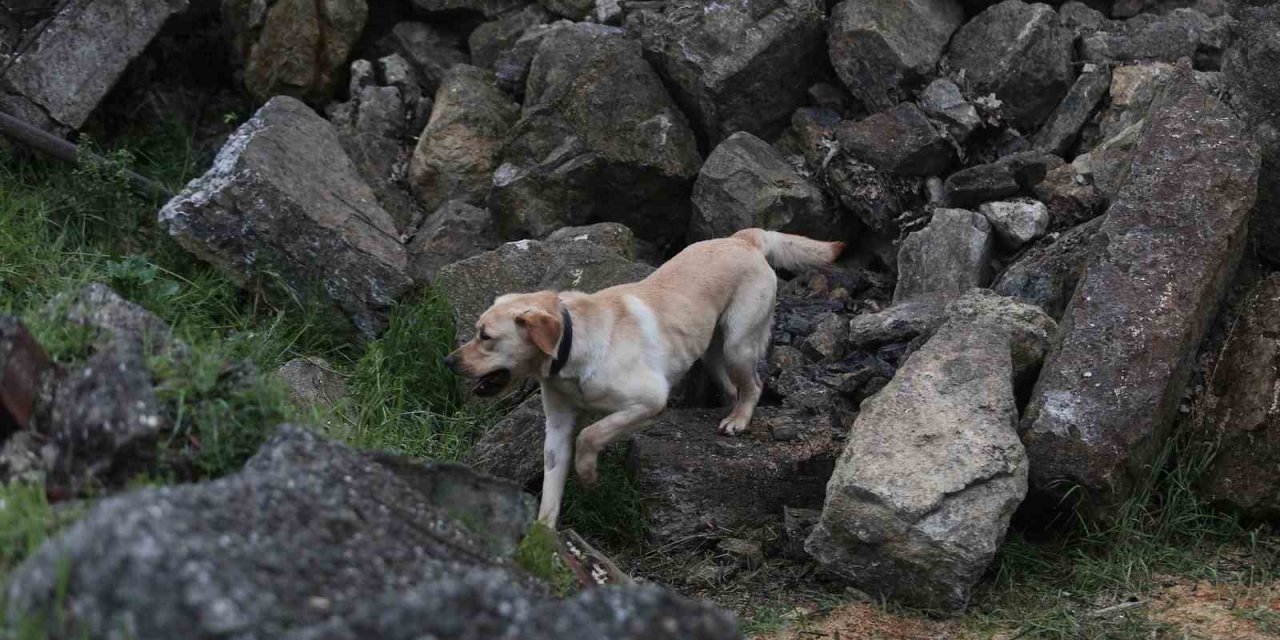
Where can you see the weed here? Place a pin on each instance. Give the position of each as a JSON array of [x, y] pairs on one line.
[[610, 511], [539, 556]]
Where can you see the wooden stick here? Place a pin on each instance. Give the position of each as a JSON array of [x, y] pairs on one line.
[[60, 149]]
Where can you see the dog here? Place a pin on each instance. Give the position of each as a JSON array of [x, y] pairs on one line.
[[620, 350]]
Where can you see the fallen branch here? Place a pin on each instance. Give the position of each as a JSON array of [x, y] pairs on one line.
[[60, 149]]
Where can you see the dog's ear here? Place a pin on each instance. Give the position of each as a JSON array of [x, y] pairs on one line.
[[543, 329]]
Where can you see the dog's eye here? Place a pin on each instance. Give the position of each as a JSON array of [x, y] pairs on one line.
[[484, 337]]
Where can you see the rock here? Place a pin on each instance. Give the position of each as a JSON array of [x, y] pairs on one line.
[[747, 183], [488, 8], [610, 235], [1061, 130], [946, 258], [925, 537], [104, 420], [828, 337], [1081, 19], [600, 140], [884, 49], [696, 484], [77, 56], [431, 51], [511, 67], [746, 554], [1133, 88], [797, 525], [1047, 274], [455, 231], [489, 40], [313, 383], [292, 47], [900, 323], [458, 151], [1072, 199], [981, 183], [1020, 53], [1251, 72], [23, 368], [112, 319], [188, 561], [512, 448], [873, 196], [901, 141], [738, 65], [1245, 473], [1181, 33], [1017, 222], [282, 197], [1107, 165], [1031, 330], [942, 101], [1109, 391], [529, 265]]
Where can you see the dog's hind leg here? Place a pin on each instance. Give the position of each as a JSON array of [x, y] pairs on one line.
[[746, 340], [716, 367]]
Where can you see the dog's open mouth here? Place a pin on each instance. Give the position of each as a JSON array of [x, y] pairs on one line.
[[491, 383]]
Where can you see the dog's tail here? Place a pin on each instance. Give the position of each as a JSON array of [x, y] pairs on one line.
[[787, 251]]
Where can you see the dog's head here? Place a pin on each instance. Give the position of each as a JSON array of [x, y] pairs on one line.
[[514, 339]]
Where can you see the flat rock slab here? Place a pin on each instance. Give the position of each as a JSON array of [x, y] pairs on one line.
[[697, 484], [82, 51], [1105, 401], [922, 494], [283, 198]]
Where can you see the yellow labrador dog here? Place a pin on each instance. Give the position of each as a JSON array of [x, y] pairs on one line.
[[620, 350]]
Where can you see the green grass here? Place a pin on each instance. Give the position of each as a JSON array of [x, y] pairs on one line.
[[611, 510], [539, 556]]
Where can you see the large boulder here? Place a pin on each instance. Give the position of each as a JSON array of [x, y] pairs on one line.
[[698, 484], [59, 77], [1046, 275], [1021, 53], [489, 40], [458, 151], [739, 65], [315, 540], [1110, 390], [946, 258], [884, 49], [933, 470], [1244, 421], [575, 262], [293, 47], [1180, 33], [1252, 74], [901, 141], [283, 198], [599, 140], [454, 232], [745, 183]]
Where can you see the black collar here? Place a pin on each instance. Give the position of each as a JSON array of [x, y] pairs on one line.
[[566, 343]]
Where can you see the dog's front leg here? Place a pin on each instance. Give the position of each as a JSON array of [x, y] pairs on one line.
[[557, 450], [609, 429]]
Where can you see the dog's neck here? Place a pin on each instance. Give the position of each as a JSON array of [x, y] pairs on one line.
[[566, 342]]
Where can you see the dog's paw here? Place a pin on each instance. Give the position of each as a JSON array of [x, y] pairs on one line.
[[732, 426], [585, 465]]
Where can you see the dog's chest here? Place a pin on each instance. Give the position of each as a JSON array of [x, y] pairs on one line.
[[583, 395]]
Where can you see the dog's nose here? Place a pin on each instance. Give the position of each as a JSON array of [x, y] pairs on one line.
[[451, 361]]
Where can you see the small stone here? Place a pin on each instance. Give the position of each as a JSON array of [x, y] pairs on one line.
[[946, 258], [1017, 222], [901, 141]]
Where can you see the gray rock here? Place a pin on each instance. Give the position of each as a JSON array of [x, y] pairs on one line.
[[1047, 274], [1107, 165], [1063, 127], [512, 447], [600, 140], [113, 319], [1031, 330], [901, 141], [746, 183], [574, 10], [925, 537], [828, 338], [529, 265], [458, 151], [738, 65], [293, 48], [79, 54], [306, 532], [489, 40], [1017, 222], [1251, 72], [1021, 53], [488, 8], [1181, 33], [884, 49], [899, 323], [1133, 88], [1243, 422], [431, 51], [282, 197], [942, 101], [946, 258], [1082, 19], [1072, 198], [981, 183], [697, 484], [455, 231], [512, 64], [1108, 393], [313, 383], [610, 235]]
